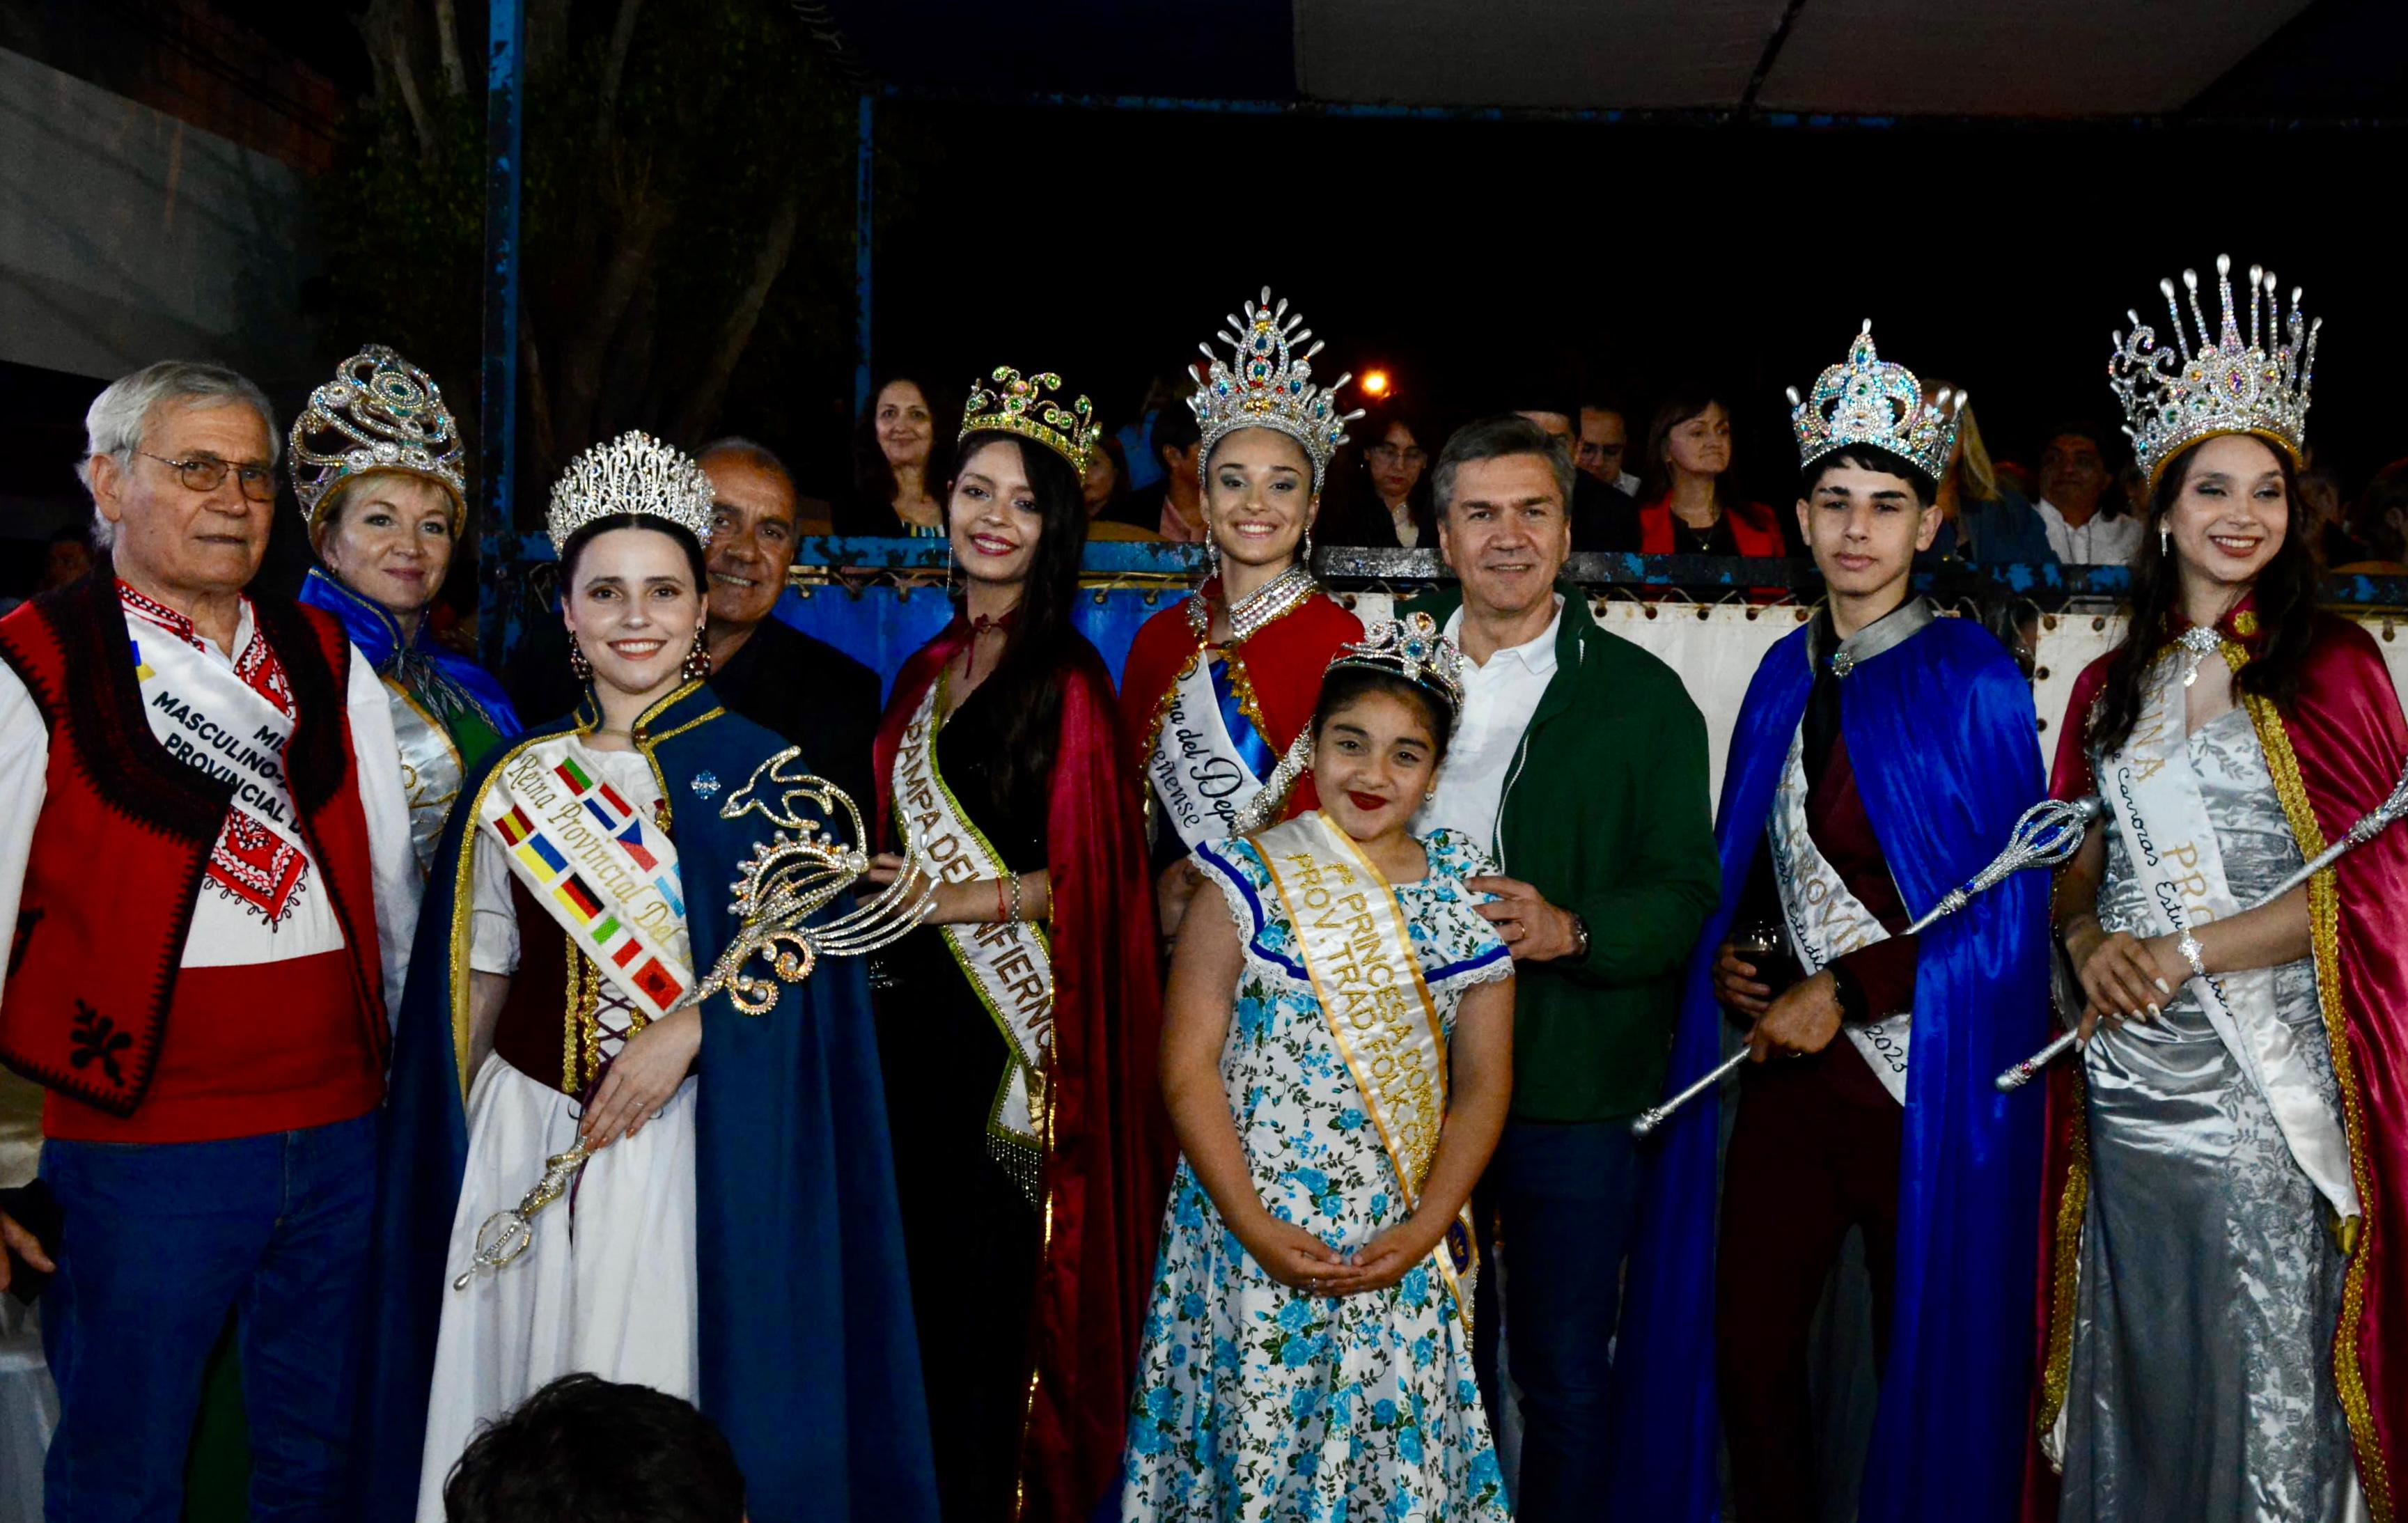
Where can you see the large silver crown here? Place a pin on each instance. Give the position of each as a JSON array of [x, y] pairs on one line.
[[2173, 397], [1267, 384], [634, 473], [1869, 400], [381, 412], [1413, 648]]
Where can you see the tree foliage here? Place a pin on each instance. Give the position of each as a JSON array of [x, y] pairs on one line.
[[687, 217]]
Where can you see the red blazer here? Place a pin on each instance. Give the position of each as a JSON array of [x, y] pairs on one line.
[[1754, 528]]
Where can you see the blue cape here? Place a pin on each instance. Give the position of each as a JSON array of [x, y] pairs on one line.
[[1940, 733], [809, 1361], [378, 634]]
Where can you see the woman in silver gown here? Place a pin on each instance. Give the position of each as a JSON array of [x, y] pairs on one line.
[[2217, 1179]]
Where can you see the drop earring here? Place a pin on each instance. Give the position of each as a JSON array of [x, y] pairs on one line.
[[2165, 538], [579, 667], [698, 661]]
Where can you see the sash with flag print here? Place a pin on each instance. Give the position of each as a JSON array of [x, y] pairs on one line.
[[598, 866]]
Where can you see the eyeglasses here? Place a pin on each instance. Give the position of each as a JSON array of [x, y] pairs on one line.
[[1397, 455], [207, 473]]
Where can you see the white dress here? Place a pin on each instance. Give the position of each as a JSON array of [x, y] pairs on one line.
[[608, 1287]]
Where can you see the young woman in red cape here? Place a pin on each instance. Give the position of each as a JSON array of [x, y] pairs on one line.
[[1018, 1030], [2223, 1303], [1220, 686]]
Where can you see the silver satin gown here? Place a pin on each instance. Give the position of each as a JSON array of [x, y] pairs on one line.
[[2202, 1388]]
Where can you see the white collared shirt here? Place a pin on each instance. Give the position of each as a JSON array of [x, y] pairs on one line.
[[1500, 695], [2102, 542]]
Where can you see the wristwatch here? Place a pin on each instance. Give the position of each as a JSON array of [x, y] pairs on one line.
[[1580, 937]]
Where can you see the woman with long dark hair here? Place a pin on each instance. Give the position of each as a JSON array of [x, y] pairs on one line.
[[2228, 1162], [1687, 506], [1018, 1030], [1219, 687], [898, 463]]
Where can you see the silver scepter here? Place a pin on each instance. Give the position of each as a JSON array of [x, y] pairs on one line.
[[2044, 835], [789, 878], [2372, 823]]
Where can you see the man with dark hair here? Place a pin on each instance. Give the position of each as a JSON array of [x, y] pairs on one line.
[[1579, 763], [1605, 446], [1174, 505], [1604, 516], [1882, 757], [803, 688], [2078, 498], [586, 1449]]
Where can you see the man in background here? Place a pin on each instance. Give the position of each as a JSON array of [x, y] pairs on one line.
[[1604, 443], [1603, 517], [2079, 503], [805, 689]]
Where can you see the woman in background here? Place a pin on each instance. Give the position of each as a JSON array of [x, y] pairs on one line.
[[1687, 507], [897, 464]]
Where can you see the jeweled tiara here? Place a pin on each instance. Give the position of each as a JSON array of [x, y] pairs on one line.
[[2173, 397]]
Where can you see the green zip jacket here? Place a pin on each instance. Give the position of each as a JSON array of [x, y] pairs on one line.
[[1605, 812]]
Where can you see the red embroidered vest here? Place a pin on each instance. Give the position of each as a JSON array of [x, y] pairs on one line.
[[122, 842]]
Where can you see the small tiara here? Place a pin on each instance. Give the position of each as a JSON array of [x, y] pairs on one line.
[[381, 412], [634, 473], [1267, 384], [2174, 397], [1018, 405], [1869, 400], [1411, 647]]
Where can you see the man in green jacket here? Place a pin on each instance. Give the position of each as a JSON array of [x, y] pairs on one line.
[[1580, 763]]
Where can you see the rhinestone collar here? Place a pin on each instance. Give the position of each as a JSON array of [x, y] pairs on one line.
[[1891, 630], [1281, 596]]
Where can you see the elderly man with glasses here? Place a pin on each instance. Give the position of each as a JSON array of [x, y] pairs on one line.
[[209, 872]]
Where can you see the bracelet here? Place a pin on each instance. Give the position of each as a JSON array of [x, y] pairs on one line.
[[2188, 946], [1016, 898]]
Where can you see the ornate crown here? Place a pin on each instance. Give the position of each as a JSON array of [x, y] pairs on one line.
[[1868, 400], [1269, 386], [634, 473], [1018, 405], [381, 412], [1413, 648], [2173, 400]]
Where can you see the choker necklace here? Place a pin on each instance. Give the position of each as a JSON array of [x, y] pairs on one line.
[[1277, 596], [2198, 640]]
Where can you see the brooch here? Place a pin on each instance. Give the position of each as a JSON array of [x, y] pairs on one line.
[[705, 783]]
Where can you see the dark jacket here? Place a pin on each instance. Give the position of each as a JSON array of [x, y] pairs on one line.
[[1603, 517], [812, 695], [1605, 812]]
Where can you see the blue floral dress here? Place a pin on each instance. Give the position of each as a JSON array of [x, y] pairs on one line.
[[1256, 1402]]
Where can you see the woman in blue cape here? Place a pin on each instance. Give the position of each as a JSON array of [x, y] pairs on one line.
[[734, 1238], [376, 461]]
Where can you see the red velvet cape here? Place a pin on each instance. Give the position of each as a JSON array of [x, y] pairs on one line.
[[1277, 674], [1109, 1152], [2344, 743]]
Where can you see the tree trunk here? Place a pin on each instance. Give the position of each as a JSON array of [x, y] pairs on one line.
[[614, 69], [384, 27], [447, 37], [709, 387], [581, 356]]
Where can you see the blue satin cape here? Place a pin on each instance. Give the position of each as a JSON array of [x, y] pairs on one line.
[[809, 1361], [378, 634], [1941, 736]]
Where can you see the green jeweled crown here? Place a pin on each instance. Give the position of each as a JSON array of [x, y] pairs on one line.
[[1017, 404]]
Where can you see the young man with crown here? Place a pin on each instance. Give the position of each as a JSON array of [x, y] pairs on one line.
[[727, 1228], [1019, 1028], [2223, 1288], [1338, 1056], [1882, 756], [207, 868], [1218, 688]]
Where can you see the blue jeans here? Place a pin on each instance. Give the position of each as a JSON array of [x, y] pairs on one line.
[[1563, 1195], [160, 1241]]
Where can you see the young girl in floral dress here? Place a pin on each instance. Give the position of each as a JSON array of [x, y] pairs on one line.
[[1336, 1057]]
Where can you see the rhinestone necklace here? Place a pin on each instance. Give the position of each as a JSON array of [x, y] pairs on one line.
[[1275, 598]]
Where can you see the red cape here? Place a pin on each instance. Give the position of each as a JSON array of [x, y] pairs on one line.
[[1109, 1159], [2344, 743], [1277, 674]]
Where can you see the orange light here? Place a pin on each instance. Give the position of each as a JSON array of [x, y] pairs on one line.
[[1375, 383]]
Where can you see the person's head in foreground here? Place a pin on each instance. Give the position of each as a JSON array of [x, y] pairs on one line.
[[586, 1449]]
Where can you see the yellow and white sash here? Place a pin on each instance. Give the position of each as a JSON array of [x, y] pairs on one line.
[[2161, 814], [1359, 953], [1825, 922], [1009, 964], [598, 866]]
